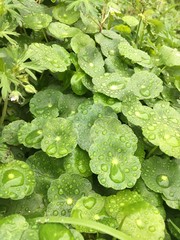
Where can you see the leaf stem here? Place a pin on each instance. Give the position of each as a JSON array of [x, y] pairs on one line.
[[86, 223], [151, 152], [4, 111]]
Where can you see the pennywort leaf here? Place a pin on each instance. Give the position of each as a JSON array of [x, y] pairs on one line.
[[59, 137], [17, 180]]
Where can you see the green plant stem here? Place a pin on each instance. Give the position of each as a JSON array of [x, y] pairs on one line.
[[4, 111], [86, 223], [140, 33], [151, 152]]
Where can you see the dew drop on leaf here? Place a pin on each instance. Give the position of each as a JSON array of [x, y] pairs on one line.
[[116, 174], [13, 178], [104, 167], [145, 92], [51, 150], [89, 202], [163, 181], [140, 223]]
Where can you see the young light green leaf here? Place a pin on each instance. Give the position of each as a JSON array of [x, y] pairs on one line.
[[16, 180], [161, 175], [130, 20], [135, 55], [91, 61], [59, 137]]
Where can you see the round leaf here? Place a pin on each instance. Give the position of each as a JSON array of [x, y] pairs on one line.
[[60, 137], [16, 180]]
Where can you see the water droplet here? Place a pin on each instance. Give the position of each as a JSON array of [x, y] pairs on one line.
[[135, 168], [63, 212], [152, 229], [116, 86], [69, 201], [76, 191], [140, 223], [12, 178], [142, 115], [116, 174], [89, 202], [126, 170], [173, 141], [55, 213], [163, 181], [104, 167], [61, 191], [144, 91], [51, 150], [151, 136]]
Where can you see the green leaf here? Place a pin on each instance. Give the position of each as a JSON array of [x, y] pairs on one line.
[[85, 118], [76, 83], [169, 56], [61, 13], [116, 64], [59, 137], [37, 21], [12, 227], [45, 103], [163, 129], [78, 162], [135, 216], [10, 132], [31, 206], [145, 85], [54, 231], [111, 84], [91, 61], [6, 154], [64, 193], [114, 103], [135, 55], [116, 167], [81, 40], [54, 57], [16, 180], [31, 134], [39, 163], [61, 30], [161, 175], [130, 20], [88, 207], [174, 226]]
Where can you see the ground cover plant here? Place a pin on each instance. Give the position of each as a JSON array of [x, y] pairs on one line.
[[90, 133]]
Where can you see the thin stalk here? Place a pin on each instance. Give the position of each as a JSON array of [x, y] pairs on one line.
[[140, 33], [45, 37], [4, 111], [152, 151], [86, 223]]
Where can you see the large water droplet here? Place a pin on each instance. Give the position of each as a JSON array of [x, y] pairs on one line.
[[145, 91], [116, 174], [12, 178], [142, 115], [163, 181], [104, 167], [89, 202], [51, 150], [152, 229], [140, 223]]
